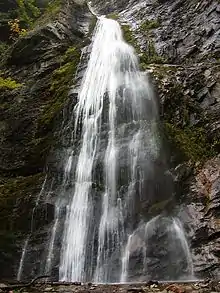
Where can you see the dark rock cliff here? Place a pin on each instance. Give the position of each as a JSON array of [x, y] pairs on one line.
[[178, 42], [36, 74]]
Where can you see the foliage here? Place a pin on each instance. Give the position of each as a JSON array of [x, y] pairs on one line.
[[8, 83], [28, 11], [3, 48], [53, 7], [149, 24], [50, 12], [191, 141], [28, 15], [15, 28], [151, 56], [129, 37], [114, 16]]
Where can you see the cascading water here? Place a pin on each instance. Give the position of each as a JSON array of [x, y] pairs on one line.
[[177, 250], [110, 175], [118, 131], [25, 246], [117, 115]]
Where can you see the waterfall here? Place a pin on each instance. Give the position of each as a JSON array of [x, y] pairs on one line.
[[116, 116], [52, 241], [23, 254], [109, 177], [26, 243], [125, 260], [178, 230], [178, 252]]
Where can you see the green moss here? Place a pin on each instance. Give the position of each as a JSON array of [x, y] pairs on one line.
[[191, 142], [61, 81], [149, 24], [114, 16], [129, 37], [150, 56], [28, 11], [40, 147], [9, 83], [161, 71], [18, 185], [3, 49], [13, 192], [50, 12], [53, 7], [146, 58]]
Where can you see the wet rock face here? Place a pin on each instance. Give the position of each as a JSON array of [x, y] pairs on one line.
[[26, 138], [201, 212], [186, 32], [30, 113]]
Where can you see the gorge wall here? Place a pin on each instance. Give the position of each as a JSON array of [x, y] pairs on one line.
[[179, 44]]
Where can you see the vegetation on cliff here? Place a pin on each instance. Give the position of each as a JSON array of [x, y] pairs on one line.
[[61, 81], [150, 55], [190, 143], [8, 83], [23, 16], [37, 72], [186, 124]]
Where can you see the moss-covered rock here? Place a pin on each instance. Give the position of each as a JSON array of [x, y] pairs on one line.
[[92, 24], [129, 37], [35, 79], [62, 79], [49, 13], [190, 143], [148, 56], [17, 198], [8, 83], [188, 126], [149, 24], [114, 16]]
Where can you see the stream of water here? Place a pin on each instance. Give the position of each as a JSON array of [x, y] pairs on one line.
[[117, 116], [111, 174]]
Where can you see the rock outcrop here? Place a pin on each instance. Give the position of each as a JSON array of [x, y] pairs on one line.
[[36, 75]]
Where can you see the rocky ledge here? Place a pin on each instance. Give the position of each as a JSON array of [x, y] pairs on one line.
[[151, 287]]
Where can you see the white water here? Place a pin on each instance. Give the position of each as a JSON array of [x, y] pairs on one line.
[[25, 247], [177, 242], [51, 244], [112, 66], [178, 230], [24, 250], [116, 116], [125, 260]]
